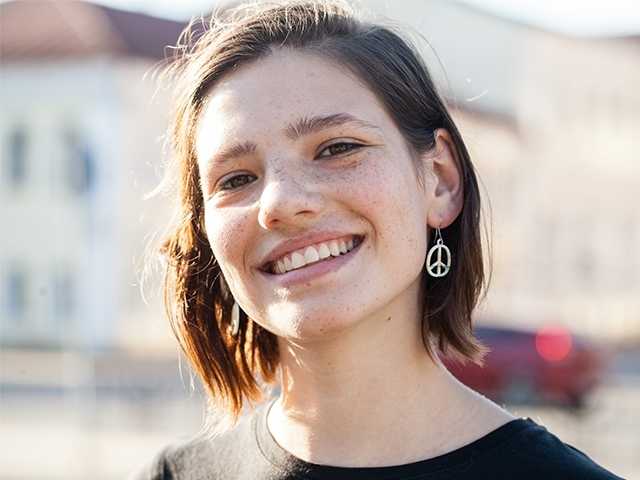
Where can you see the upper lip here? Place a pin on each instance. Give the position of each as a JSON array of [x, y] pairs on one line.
[[297, 243]]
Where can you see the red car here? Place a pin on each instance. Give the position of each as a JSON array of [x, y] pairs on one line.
[[549, 365]]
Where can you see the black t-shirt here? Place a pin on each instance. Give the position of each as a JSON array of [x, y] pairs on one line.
[[521, 449]]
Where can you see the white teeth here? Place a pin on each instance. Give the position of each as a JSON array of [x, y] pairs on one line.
[[324, 251], [297, 260], [311, 255], [335, 249]]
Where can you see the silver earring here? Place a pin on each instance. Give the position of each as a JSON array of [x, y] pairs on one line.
[[235, 319], [439, 268]]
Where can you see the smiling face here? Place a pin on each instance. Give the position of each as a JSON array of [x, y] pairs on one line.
[[294, 151]]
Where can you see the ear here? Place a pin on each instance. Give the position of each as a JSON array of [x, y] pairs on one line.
[[447, 192]]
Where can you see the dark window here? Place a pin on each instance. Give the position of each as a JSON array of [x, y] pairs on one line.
[[80, 164], [16, 160], [15, 293]]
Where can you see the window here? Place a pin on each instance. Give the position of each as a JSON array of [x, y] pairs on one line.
[[15, 293], [80, 164], [15, 164]]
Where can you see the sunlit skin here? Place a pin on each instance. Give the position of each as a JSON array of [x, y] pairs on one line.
[[357, 386]]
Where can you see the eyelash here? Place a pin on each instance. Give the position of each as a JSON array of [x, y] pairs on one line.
[[352, 146]]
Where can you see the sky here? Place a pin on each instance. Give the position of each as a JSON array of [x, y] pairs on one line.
[[577, 17]]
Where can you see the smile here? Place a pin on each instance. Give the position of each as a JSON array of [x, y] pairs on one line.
[[319, 252]]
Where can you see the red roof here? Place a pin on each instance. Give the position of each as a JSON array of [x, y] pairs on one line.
[[38, 29]]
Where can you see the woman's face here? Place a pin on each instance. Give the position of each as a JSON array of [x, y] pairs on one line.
[[294, 151]]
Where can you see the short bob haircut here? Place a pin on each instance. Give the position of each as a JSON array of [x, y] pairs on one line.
[[235, 369]]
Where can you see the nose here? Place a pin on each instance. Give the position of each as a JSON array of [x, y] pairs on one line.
[[288, 199]]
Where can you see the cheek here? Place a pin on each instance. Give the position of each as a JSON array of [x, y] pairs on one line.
[[226, 234], [385, 194], [365, 184]]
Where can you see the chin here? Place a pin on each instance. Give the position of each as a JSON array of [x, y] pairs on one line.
[[311, 327], [309, 332]]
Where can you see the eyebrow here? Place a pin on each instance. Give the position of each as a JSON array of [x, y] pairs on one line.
[[299, 128], [309, 125]]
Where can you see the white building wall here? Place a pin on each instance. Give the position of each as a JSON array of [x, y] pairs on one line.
[[475, 58], [46, 226], [560, 166]]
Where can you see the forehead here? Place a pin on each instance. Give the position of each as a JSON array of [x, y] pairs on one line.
[[279, 88]]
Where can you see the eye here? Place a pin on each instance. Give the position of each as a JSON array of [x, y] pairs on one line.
[[339, 149], [235, 182]]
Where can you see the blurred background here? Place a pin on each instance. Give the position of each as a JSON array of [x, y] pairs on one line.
[[546, 94]]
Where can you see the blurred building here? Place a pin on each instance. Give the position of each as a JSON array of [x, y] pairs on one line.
[[80, 141], [553, 126], [551, 122]]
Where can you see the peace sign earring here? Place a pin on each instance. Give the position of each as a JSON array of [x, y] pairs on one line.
[[439, 268]]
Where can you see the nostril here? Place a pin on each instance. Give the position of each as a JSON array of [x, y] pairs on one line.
[[267, 220]]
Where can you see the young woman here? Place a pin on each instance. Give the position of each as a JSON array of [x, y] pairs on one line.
[[329, 244]]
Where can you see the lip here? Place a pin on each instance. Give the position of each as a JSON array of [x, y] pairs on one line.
[[314, 270], [294, 244]]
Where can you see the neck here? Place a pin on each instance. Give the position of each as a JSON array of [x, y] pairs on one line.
[[338, 395]]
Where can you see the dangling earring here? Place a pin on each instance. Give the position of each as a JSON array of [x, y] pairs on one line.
[[235, 320], [438, 268]]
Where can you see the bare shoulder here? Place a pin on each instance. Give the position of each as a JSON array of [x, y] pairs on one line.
[[484, 416]]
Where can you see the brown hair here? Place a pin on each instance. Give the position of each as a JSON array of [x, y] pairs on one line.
[[197, 297]]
